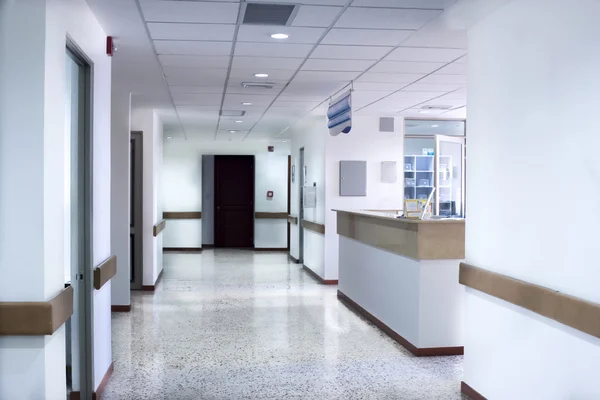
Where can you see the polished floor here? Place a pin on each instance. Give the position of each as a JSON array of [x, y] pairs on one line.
[[232, 325]]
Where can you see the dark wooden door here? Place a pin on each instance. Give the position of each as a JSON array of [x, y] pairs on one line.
[[234, 201]]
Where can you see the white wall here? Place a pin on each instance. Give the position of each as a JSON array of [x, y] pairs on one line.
[[533, 132], [32, 103], [182, 187], [147, 121], [363, 143], [271, 175], [309, 134]]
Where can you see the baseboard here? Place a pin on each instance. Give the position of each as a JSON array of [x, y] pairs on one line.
[[418, 352], [98, 393], [318, 278], [470, 392], [208, 246], [294, 260], [152, 288], [267, 249], [126, 308], [182, 249]]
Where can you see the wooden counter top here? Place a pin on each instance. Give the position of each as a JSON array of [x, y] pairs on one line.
[[418, 239]]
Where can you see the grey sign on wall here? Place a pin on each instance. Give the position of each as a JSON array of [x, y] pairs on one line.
[[353, 178]]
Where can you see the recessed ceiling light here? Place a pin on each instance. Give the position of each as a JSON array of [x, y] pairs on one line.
[[169, 137], [280, 36], [434, 126], [261, 75], [424, 111], [246, 104], [239, 122], [232, 131], [284, 141]]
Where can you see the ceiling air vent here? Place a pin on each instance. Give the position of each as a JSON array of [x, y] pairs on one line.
[[269, 14], [232, 113], [441, 108], [258, 85]]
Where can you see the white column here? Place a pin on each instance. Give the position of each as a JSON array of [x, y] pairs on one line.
[[534, 185], [31, 197]]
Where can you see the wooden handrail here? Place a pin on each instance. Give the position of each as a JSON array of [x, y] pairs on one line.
[[574, 312]]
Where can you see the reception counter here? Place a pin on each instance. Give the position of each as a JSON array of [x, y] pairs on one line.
[[402, 275]]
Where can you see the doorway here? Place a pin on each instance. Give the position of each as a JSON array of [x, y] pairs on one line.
[[136, 211], [234, 202], [301, 183], [78, 220]]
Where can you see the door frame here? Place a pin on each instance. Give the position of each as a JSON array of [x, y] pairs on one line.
[[137, 211], [301, 183], [456, 140], [84, 284], [217, 234]]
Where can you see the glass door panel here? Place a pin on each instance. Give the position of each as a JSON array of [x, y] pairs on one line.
[[449, 176]]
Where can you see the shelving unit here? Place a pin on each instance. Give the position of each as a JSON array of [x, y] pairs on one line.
[[422, 169]]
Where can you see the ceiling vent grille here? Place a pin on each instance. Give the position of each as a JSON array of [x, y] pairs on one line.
[[258, 85], [269, 14], [432, 107], [232, 113]]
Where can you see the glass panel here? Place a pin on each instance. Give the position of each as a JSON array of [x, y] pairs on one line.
[[450, 178]]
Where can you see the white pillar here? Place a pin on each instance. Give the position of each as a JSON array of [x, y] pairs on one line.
[[533, 172], [31, 197]]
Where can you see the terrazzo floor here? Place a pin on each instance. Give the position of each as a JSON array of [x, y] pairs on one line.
[[232, 325]]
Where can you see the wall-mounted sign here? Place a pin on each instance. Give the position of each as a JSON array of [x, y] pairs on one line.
[[340, 114]]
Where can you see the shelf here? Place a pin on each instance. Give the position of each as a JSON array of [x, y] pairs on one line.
[[423, 170], [424, 187], [410, 171]]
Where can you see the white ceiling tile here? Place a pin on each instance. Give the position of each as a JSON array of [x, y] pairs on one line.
[[247, 74], [256, 100], [197, 99], [315, 2], [377, 86], [193, 48], [195, 76], [438, 33], [321, 89], [170, 31], [385, 18], [387, 77], [188, 11], [330, 76], [286, 97], [196, 89], [362, 98], [436, 78], [366, 37], [266, 62], [429, 4], [194, 61], [316, 16], [417, 95], [455, 68], [262, 33], [428, 87], [272, 50], [315, 64], [425, 54], [350, 52], [402, 67]]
